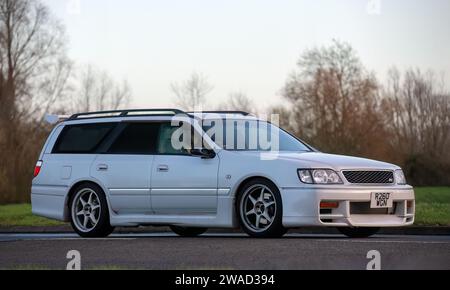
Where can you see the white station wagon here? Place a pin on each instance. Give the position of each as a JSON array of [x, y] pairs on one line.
[[126, 168]]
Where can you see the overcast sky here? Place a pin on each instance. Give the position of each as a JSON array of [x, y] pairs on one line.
[[246, 45]]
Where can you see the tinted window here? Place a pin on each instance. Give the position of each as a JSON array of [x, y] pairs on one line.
[[165, 145], [82, 139], [136, 138]]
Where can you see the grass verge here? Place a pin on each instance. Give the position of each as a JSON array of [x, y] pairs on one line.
[[433, 206], [15, 215]]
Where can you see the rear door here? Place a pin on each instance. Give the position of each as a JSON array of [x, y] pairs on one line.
[[125, 167]]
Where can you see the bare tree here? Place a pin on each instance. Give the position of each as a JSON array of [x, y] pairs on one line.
[[335, 105], [96, 90], [34, 70], [238, 101], [33, 62], [192, 93], [419, 111], [333, 100]]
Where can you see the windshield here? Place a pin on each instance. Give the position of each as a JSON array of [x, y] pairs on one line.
[[251, 135]]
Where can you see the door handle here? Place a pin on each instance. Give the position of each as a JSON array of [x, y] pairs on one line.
[[102, 167], [163, 168]]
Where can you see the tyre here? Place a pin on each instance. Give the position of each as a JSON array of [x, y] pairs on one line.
[[260, 209], [89, 211], [358, 232], [188, 232]]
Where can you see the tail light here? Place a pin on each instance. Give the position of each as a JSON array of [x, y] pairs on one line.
[[37, 168]]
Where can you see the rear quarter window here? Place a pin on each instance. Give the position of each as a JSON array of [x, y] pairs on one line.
[[82, 138]]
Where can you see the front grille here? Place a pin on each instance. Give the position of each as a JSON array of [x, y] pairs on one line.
[[369, 177]]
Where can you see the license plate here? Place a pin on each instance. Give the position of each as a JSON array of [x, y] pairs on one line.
[[381, 200]]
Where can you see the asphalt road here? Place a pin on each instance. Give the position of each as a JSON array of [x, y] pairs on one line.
[[222, 252]]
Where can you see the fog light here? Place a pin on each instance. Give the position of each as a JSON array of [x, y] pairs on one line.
[[329, 204]]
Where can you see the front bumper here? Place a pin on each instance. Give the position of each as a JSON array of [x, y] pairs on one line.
[[301, 207]]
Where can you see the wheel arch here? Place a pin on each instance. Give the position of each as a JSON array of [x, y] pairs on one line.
[[71, 191], [242, 183], [246, 179]]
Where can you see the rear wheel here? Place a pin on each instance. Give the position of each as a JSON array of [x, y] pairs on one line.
[[260, 209], [188, 232], [89, 211], [358, 232]]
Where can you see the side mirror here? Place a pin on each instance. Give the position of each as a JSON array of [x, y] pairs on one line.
[[203, 153]]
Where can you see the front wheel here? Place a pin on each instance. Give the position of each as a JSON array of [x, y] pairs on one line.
[[260, 209], [358, 232], [89, 212], [187, 232]]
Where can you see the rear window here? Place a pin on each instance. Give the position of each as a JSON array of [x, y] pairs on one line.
[[82, 138], [136, 138]]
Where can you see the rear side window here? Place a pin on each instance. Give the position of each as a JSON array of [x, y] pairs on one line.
[[136, 138], [82, 139]]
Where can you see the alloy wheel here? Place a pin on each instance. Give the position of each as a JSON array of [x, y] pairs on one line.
[[86, 209], [258, 207]]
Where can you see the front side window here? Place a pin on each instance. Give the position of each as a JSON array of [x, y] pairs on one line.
[[168, 144], [82, 138]]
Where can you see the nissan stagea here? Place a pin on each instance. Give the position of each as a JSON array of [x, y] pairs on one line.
[[147, 167]]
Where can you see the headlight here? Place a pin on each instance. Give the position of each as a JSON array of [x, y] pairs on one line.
[[399, 177], [305, 176], [319, 176]]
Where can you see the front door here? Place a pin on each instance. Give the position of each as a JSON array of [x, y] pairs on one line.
[[182, 184]]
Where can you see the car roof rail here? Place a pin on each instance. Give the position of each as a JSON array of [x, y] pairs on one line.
[[126, 113], [221, 112]]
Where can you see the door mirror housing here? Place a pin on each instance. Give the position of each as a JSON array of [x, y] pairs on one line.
[[203, 153]]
